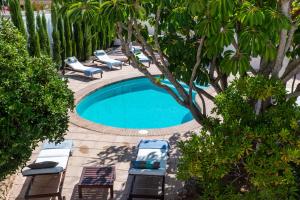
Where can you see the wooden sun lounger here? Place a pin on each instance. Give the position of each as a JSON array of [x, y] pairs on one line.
[[147, 196], [57, 194], [155, 150], [50, 152]]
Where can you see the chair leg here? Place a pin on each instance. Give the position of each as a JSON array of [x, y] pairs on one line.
[[79, 191], [131, 188], [112, 192], [29, 187], [163, 188]]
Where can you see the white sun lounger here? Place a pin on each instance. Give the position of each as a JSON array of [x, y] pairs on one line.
[[151, 150], [50, 152], [104, 58], [74, 65], [137, 51]]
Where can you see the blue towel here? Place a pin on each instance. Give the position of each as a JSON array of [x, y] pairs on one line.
[[66, 144], [91, 70], [154, 144]]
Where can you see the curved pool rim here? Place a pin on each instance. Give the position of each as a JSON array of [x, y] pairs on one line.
[[86, 124]]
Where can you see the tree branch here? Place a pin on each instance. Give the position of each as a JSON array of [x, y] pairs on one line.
[[280, 53], [285, 9], [135, 63], [290, 37], [296, 93], [197, 64], [293, 84], [163, 68], [203, 92], [292, 69], [157, 46]]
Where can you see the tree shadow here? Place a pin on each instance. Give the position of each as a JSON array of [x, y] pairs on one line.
[[114, 154]]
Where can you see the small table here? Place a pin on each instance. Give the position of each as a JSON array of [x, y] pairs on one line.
[[97, 177]]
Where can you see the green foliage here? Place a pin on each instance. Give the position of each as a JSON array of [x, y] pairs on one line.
[[78, 33], [16, 15], [250, 28], [89, 26], [247, 155], [34, 101], [87, 42], [56, 48], [47, 42], [67, 28], [37, 52], [60, 28], [33, 42], [43, 37]]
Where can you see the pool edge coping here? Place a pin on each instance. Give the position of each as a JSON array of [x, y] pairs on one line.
[[100, 128]]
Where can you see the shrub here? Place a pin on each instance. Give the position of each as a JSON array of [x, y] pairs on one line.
[[248, 155], [34, 101]]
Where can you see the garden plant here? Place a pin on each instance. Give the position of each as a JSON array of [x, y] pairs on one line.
[[34, 100]]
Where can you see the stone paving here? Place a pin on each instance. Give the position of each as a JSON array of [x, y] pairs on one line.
[[101, 149]]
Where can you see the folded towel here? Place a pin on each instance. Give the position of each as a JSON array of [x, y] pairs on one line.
[[141, 164]]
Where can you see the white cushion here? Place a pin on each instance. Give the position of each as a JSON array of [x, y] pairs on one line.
[[62, 165], [103, 57], [54, 153]]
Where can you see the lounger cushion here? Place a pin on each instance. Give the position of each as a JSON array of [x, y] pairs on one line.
[[62, 164], [42, 165], [88, 71], [99, 53], [104, 58], [54, 153], [145, 164], [92, 70]]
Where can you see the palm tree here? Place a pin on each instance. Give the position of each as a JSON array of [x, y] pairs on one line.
[[84, 13], [96, 27]]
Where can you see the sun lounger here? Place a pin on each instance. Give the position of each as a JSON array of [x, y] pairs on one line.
[[73, 64], [52, 152], [137, 51], [150, 151], [104, 58]]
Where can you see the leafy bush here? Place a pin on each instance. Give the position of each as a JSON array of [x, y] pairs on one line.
[[248, 155], [34, 100]]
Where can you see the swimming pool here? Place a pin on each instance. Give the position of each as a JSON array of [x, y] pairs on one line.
[[134, 104]]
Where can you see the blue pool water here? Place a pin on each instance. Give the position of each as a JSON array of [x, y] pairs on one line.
[[135, 103]]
